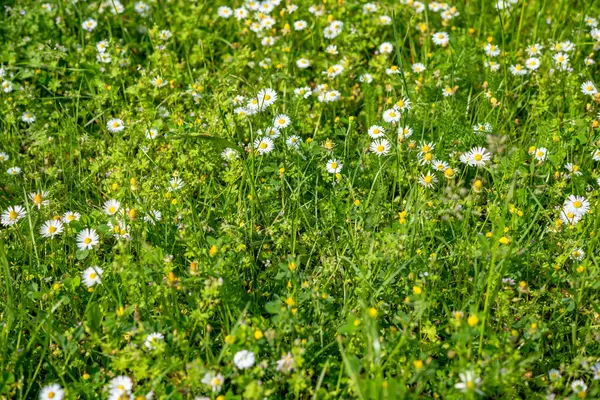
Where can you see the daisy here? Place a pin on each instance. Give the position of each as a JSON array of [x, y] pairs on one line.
[[240, 13], [13, 171], [111, 207], [561, 59], [89, 25], [303, 91], [478, 156], [101, 46], [491, 50], [91, 276], [441, 38], [579, 387], [403, 104], [554, 375], [569, 218], [243, 359], [281, 121], [229, 154], [534, 50], [12, 215], [52, 392], [142, 8], [115, 125], [596, 371], [428, 181], [404, 132], [577, 254], [158, 82], [468, 382], [51, 228], [103, 58], [577, 205], [426, 147], [87, 239], [588, 88], [266, 97], [70, 216], [418, 68], [596, 155], [293, 141], [482, 128], [532, 63], [39, 198], [271, 132], [175, 184], [380, 147], [574, 169], [391, 116], [518, 70], [439, 165], [224, 12], [28, 117], [540, 153], [152, 133], [7, 86], [331, 49], [152, 340], [300, 25], [165, 35], [4, 157], [376, 131], [386, 48], [214, 380], [448, 91], [264, 145], [120, 385], [303, 63], [366, 78], [333, 166], [285, 364]]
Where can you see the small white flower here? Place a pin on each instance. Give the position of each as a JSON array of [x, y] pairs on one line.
[[115, 125], [52, 392], [152, 340], [92, 276], [244, 359]]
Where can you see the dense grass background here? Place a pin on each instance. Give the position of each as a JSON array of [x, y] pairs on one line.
[[378, 286]]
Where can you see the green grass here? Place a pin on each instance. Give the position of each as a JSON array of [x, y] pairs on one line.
[[362, 284]]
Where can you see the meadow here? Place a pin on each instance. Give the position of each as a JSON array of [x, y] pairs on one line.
[[299, 199]]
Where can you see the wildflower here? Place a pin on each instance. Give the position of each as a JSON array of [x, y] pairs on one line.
[[300, 25], [91, 276], [376, 131], [39, 198], [266, 97], [554, 375], [175, 184], [214, 380], [418, 68], [281, 121], [534, 50], [87, 239], [51, 228], [70, 216], [333, 166], [448, 91], [532, 63], [441, 38], [518, 70], [404, 132], [52, 392], [596, 371], [119, 386], [380, 147], [595, 155], [588, 88], [577, 205], [111, 207], [491, 50], [229, 154], [89, 25], [391, 116], [540, 153], [224, 12], [158, 82], [577, 254], [286, 363], [478, 156], [579, 387], [165, 35], [115, 125], [5, 157], [152, 340], [366, 78], [244, 359], [264, 145], [293, 141], [428, 181], [468, 383], [386, 48], [28, 117], [439, 165], [101, 46], [7, 86], [303, 63]]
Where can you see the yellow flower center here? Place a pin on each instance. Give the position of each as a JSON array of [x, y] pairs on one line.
[[112, 210], [37, 199], [540, 153], [577, 204], [51, 229], [267, 97], [115, 124], [263, 145], [50, 395], [13, 215], [575, 168], [380, 148], [428, 157], [477, 157], [87, 240], [93, 275], [333, 165], [281, 121], [428, 179]]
